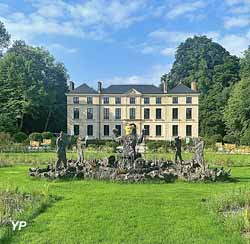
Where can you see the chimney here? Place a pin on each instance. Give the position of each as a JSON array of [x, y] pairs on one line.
[[194, 85], [165, 87], [71, 85], [164, 83], [99, 86]]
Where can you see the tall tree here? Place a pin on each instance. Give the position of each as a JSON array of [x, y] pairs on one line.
[[4, 38], [36, 87], [215, 70], [237, 112]]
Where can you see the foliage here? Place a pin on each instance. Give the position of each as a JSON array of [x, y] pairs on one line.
[[230, 139], [35, 136], [237, 112], [4, 38], [245, 138], [216, 138], [33, 88], [215, 71], [5, 138], [20, 137], [47, 135], [7, 123]]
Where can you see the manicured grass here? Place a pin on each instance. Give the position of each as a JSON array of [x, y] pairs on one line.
[[109, 213], [38, 158]]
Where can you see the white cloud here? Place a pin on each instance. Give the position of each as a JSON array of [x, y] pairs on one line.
[[92, 19], [239, 21], [169, 51], [235, 44], [61, 48], [152, 77], [185, 8]]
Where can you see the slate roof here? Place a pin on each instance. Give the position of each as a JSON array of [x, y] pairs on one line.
[[120, 89], [144, 89], [182, 89], [84, 89]]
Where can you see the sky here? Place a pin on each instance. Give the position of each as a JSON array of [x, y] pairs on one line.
[[124, 41]]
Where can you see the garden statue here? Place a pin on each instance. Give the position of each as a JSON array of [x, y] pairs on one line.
[[61, 144], [129, 141], [177, 146], [81, 144], [199, 152]]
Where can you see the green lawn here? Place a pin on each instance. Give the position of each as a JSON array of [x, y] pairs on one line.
[[108, 213]]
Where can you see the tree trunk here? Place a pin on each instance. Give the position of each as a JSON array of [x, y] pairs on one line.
[[47, 121], [21, 123]]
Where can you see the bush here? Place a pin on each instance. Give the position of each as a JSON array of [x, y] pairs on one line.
[[36, 137], [245, 138], [216, 138], [20, 137], [230, 139], [47, 135], [5, 138]]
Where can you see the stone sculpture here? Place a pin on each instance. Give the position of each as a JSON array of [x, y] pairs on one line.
[[199, 152], [61, 144], [81, 144], [177, 146]]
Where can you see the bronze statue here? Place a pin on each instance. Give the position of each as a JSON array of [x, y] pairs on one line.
[[177, 146], [61, 144]]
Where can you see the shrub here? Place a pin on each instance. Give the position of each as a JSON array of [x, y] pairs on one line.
[[230, 139], [47, 135], [20, 137], [245, 138], [5, 138], [216, 138], [36, 137]]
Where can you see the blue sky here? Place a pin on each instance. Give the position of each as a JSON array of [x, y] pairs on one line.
[[124, 41]]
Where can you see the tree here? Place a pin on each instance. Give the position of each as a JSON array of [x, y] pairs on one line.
[[4, 38], [215, 70], [237, 112], [33, 88]]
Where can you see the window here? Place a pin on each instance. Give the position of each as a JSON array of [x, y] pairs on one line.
[[132, 100], [175, 100], [189, 113], [146, 130], [175, 113], [158, 130], [76, 113], [188, 130], [90, 130], [158, 100], [89, 100], [132, 113], [106, 113], [105, 100], [89, 113], [175, 130], [189, 100], [106, 130], [76, 100], [146, 113], [117, 100], [117, 113], [146, 100], [119, 129], [76, 130], [158, 113]]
